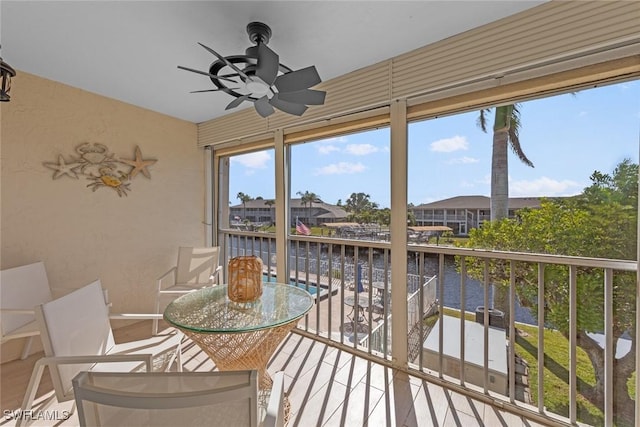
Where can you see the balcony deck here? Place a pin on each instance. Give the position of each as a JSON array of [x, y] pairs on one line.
[[326, 387]]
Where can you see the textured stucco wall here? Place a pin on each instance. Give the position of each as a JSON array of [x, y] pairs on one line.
[[82, 235]]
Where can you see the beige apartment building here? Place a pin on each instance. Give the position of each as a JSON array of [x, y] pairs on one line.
[[462, 213]]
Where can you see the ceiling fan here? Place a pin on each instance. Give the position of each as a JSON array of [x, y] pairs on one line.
[[259, 77]]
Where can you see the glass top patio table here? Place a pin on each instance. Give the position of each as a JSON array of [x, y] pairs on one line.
[[209, 310], [240, 336]]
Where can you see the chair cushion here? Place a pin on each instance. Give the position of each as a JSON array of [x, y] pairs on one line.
[[22, 287]]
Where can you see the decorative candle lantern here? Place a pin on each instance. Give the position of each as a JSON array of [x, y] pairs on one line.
[[245, 279]]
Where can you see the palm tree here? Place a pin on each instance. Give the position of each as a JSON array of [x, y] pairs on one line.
[[358, 204], [244, 198], [270, 203], [506, 128], [307, 198]]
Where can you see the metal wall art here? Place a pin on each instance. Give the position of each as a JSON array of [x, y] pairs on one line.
[[102, 168]]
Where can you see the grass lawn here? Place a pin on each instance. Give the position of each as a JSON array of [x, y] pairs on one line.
[[556, 371]]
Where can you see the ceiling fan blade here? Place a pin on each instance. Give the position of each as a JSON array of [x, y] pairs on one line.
[[226, 61], [204, 73], [287, 107], [212, 90], [263, 107], [268, 64], [236, 102], [304, 96], [303, 78]]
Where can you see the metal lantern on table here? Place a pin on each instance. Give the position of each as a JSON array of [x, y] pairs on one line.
[[245, 279]]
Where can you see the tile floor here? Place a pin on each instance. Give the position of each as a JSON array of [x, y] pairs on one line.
[[326, 387]]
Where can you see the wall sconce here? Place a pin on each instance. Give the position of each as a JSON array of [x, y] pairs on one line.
[[6, 72]]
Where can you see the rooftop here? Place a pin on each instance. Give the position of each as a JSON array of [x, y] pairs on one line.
[[479, 202]]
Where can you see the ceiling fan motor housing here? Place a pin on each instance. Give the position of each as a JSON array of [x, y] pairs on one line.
[[258, 32]]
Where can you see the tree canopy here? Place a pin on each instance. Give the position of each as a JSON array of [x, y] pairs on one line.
[[602, 223], [360, 208]]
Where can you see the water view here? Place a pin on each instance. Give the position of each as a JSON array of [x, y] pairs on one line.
[[474, 291]]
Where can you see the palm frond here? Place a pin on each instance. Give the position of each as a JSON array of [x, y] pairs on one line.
[[514, 143], [514, 136], [482, 119]]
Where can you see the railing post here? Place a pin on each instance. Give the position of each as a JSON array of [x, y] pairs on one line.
[[573, 342], [209, 238], [541, 320], [398, 228], [609, 352], [282, 207], [637, 401], [512, 332]]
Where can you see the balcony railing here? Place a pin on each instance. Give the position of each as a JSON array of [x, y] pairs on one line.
[[444, 280]]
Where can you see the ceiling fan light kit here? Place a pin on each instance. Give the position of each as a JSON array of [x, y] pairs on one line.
[[6, 73], [259, 77]]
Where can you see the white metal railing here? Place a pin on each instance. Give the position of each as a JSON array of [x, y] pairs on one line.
[[420, 304], [333, 263]]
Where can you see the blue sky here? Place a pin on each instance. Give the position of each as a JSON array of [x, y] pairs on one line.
[[567, 137]]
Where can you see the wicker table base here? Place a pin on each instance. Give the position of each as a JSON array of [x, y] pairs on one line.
[[243, 350], [241, 335]]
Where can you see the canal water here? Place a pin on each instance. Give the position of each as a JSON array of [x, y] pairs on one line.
[[474, 289]]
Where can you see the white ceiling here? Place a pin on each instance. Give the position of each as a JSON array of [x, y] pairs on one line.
[[129, 50]]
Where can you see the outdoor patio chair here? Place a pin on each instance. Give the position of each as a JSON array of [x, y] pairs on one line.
[[222, 398], [21, 289], [195, 269], [76, 336]]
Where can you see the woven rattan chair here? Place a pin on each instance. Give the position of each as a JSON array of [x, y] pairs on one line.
[[196, 268], [76, 336], [227, 398]]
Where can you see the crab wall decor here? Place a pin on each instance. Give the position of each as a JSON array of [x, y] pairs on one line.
[[104, 169]]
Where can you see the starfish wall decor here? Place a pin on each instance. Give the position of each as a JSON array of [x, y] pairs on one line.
[[102, 168]]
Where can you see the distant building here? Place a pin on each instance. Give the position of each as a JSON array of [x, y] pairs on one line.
[[463, 213], [260, 211]]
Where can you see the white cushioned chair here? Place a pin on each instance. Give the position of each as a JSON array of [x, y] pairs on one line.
[[226, 399], [21, 289], [195, 269], [76, 336]]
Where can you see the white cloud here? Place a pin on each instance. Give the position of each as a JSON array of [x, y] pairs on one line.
[[334, 139], [341, 168], [544, 186], [582, 113], [463, 161], [327, 149], [485, 180], [327, 146], [257, 160], [448, 145], [360, 149]]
